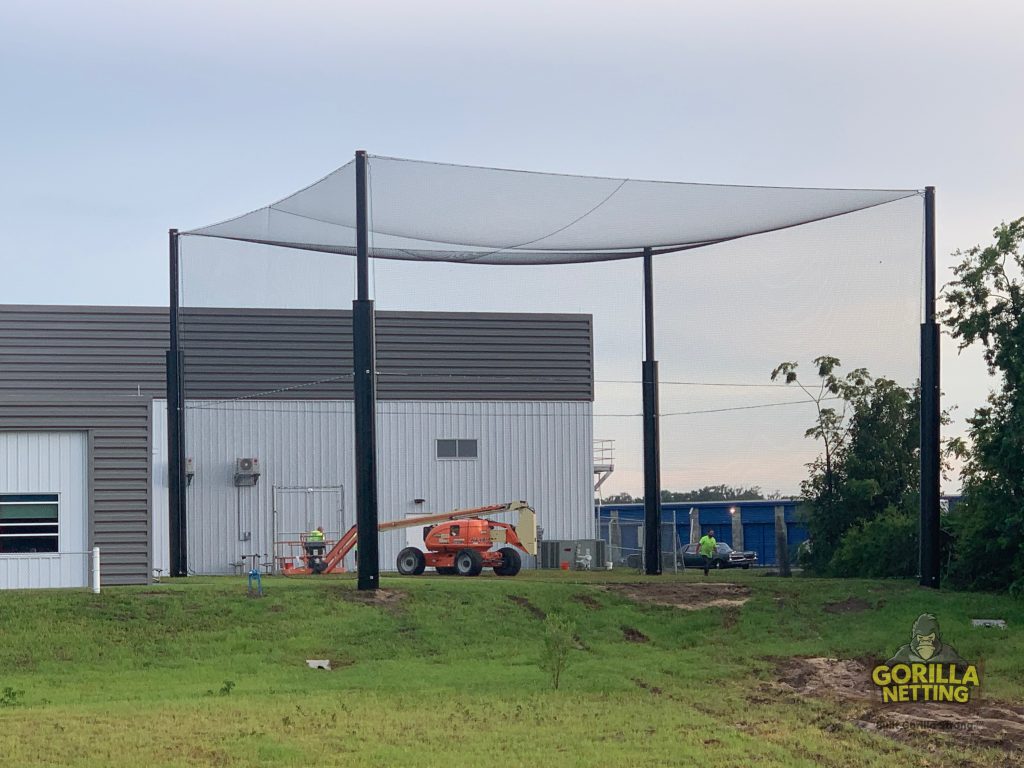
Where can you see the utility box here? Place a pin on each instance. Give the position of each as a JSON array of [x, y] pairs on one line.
[[554, 552], [574, 554], [247, 472]]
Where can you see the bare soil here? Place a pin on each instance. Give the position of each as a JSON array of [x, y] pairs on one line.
[[981, 722], [686, 597], [382, 597], [588, 600], [849, 605], [528, 606], [634, 635]]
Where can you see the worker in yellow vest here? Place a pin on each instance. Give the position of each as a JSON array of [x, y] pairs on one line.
[[708, 547], [315, 546]]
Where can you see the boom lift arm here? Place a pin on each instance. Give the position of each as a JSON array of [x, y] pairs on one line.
[[525, 531]]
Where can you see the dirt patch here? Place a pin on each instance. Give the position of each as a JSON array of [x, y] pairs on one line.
[[849, 605], [388, 598], [647, 686], [522, 602], [834, 678], [588, 600], [634, 635], [686, 597], [984, 723]]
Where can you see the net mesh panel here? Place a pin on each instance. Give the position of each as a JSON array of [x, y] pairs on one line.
[[848, 285], [438, 212]]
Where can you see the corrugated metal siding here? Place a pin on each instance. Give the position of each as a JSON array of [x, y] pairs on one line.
[[540, 452], [76, 350], [48, 462], [297, 444], [45, 571], [82, 368], [235, 352], [119, 469]]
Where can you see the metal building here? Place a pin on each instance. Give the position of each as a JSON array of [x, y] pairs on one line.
[[474, 408]]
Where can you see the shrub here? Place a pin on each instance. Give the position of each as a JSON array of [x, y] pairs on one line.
[[559, 640], [885, 546]]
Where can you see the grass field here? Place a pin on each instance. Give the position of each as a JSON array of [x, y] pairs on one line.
[[444, 671]]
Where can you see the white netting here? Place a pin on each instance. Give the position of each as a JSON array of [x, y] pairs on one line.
[[439, 212], [843, 285]]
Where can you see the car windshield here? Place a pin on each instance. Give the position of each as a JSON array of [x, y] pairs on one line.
[[725, 549]]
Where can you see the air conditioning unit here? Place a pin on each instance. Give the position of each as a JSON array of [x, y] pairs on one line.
[[247, 471]]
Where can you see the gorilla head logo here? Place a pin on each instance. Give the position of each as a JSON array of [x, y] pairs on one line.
[[926, 646]]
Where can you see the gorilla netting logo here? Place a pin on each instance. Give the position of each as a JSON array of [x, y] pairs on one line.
[[926, 669]]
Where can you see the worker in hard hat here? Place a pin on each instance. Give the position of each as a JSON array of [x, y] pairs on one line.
[[315, 545]]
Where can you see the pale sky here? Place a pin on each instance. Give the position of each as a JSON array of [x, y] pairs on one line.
[[121, 120]]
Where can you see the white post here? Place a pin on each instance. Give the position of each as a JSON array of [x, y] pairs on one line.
[[96, 570]]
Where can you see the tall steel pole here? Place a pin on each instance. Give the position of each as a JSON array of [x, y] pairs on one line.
[[652, 459], [176, 484], [931, 408], [364, 370]]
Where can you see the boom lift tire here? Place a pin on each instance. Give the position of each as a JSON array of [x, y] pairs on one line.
[[468, 562], [443, 570], [511, 562], [411, 562]]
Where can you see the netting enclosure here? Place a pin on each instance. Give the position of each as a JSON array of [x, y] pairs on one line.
[[526, 366], [439, 212]]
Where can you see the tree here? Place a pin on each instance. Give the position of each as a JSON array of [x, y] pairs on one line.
[[713, 493], [869, 430], [707, 493], [619, 498], [985, 304]]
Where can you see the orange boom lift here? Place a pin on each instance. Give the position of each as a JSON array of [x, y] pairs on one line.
[[457, 542]]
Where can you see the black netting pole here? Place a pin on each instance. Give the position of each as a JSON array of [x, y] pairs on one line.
[[652, 460], [930, 407], [364, 366], [177, 524]]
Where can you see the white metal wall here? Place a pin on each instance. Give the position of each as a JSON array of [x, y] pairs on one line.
[[537, 451], [49, 462]]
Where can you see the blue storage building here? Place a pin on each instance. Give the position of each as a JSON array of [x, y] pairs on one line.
[[757, 518]]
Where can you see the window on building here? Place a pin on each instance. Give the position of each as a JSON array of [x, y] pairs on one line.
[[28, 522], [456, 449]]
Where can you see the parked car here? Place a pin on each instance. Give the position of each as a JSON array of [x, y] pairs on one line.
[[725, 557], [635, 560]]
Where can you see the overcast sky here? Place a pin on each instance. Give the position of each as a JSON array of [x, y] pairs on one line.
[[121, 120]]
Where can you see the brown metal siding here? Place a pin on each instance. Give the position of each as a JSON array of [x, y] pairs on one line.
[[119, 470]]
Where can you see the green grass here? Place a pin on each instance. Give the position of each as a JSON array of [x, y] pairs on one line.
[[195, 673]]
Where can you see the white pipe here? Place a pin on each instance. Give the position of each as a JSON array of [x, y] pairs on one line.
[[96, 570]]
